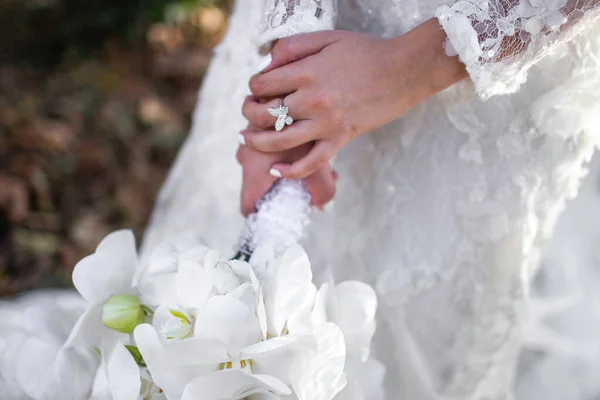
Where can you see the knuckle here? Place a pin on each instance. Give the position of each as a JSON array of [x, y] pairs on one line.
[[320, 101], [305, 78]]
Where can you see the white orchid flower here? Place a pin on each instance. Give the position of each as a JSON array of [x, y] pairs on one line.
[[224, 328], [311, 364], [351, 305], [284, 287], [97, 277], [118, 376], [179, 280], [230, 333], [159, 278], [43, 366], [233, 384]]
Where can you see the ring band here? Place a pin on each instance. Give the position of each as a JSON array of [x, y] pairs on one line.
[[281, 113]]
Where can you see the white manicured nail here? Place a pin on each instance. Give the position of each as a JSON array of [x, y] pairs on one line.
[[241, 139], [265, 63], [275, 173]]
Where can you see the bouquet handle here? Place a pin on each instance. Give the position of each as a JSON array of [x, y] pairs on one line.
[[281, 217]]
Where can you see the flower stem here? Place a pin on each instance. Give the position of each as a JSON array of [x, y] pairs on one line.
[[147, 310]]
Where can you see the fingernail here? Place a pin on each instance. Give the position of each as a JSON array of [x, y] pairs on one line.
[[274, 172], [241, 139], [265, 63]]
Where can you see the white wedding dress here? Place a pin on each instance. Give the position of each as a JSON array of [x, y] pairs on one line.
[[445, 211]]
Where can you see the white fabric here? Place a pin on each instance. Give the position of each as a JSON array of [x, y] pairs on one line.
[[283, 18], [499, 40], [445, 210]]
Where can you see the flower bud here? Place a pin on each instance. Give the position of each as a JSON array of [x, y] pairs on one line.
[[123, 312]]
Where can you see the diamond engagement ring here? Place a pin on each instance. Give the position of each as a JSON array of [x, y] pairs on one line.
[[281, 113]]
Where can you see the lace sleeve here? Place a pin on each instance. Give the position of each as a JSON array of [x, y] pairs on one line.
[[284, 18], [498, 40]]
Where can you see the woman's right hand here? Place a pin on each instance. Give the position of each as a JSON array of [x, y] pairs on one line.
[[256, 179]]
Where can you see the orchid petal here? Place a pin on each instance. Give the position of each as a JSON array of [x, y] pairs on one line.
[[193, 284], [284, 357], [123, 374], [101, 387], [273, 344], [223, 277], [244, 293], [109, 270], [89, 331], [300, 320], [241, 268], [73, 372], [170, 326], [163, 259], [355, 305], [323, 376], [287, 289], [158, 289], [227, 320], [232, 384], [173, 366]]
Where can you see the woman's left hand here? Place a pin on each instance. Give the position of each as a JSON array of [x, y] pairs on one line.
[[339, 85]]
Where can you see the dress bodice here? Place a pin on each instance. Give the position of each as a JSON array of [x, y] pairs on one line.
[[445, 210]]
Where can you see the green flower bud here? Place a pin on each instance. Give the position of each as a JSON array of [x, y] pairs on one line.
[[123, 312]]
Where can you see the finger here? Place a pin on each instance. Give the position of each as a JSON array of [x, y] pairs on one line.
[[297, 47], [257, 112], [299, 133], [253, 189], [321, 186], [239, 154], [320, 154], [282, 81]]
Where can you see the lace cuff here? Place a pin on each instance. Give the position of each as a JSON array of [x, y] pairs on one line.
[[499, 40], [284, 18]]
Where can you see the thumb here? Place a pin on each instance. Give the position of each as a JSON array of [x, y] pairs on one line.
[[297, 47]]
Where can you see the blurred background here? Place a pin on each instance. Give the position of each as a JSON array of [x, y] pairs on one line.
[[96, 98]]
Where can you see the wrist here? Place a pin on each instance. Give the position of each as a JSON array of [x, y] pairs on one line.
[[423, 63]]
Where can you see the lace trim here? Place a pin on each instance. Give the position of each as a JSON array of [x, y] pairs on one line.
[[283, 18], [499, 40]]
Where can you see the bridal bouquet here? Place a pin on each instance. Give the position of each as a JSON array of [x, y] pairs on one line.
[[190, 324]]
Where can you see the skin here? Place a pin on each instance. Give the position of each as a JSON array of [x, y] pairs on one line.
[[338, 85]]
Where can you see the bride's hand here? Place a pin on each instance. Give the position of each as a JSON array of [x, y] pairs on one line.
[[257, 180], [338, 85]]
